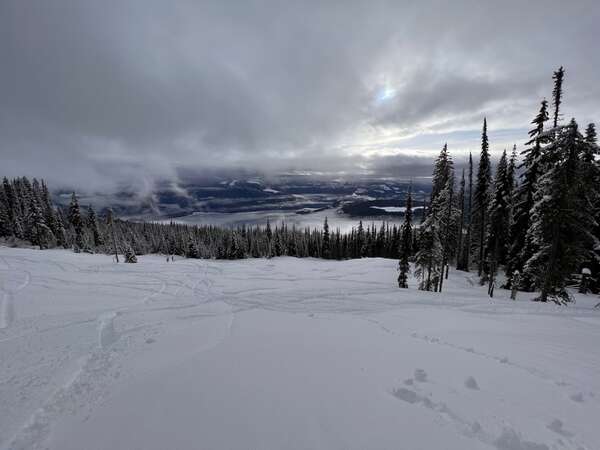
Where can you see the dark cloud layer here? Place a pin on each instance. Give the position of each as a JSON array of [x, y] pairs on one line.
[[100, 94]]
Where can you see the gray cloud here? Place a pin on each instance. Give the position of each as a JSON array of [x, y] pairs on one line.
[[100, 94]]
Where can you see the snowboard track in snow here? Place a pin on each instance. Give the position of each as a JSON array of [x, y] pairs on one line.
[[88, 384], [161, 298]]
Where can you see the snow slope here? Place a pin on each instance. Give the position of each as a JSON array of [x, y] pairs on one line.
[[284, 354]]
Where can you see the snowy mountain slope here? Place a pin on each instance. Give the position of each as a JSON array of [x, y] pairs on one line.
[[284, 353]]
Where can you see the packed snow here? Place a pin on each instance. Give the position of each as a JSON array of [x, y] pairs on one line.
[[284, 354]]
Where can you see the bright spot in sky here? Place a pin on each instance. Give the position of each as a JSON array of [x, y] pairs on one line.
[[386, 93]]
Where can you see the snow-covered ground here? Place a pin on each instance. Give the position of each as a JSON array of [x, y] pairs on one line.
[[284, 354]]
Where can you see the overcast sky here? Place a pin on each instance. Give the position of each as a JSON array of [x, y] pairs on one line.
[[95, 94]]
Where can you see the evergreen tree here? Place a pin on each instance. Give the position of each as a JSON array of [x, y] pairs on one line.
[[481, 201], [5, 224], [326, 247], [10, 201], [557, 93], [111, 226], [74, 217], [499, 216], [429, 256], [561, 221], [468, 239], [92, 224], [130, 256], [590, 134], [39, 233], [443, 169], [447, 224], [461, 224], [521, 249], [406, 240], [59, 233]]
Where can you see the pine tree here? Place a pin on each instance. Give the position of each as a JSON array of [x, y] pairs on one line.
[[429, 256], [557, 93], [405, 249], [590, 134], [521, 249], [481, 201], [111, 225], [326, 246], [9, 196], [130, 256], [59, 233], [92, 224], [448, 224], [49, 212], [461, 224], [561, 221], [468, 239], [5, 224], [74, 218], [499, 216], [39, 233], [443, 169]]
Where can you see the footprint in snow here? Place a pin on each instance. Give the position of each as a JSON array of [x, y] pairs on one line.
[[578, 397], [420, 375], [557, 426], [471, 383], [407, 395]]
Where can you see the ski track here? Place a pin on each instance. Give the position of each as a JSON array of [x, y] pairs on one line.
[[7, 312], [89, 383], [92, 376]]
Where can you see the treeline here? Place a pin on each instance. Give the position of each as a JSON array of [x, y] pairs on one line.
[[28, 214], [540, 227]]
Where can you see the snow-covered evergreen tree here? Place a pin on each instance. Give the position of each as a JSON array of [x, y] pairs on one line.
[[326, 247], [557, 93], [76, 221], [479, 215], [461, 223], [562, 221], [428, 258], [499, 217], [39, 233], [130, 256], [466, 252], [443, 169], [405, 248], [92, 224], [520, 249]]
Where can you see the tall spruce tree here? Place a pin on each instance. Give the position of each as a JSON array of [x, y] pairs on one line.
[[428, 258], [520, 249], [557, 93], [561, 225], [406, 239], [481, 201], [447, 224], [326, 244], [92, 223], [442, 170], [468, 238], [499, 213], [76, 221], [461, 223]]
